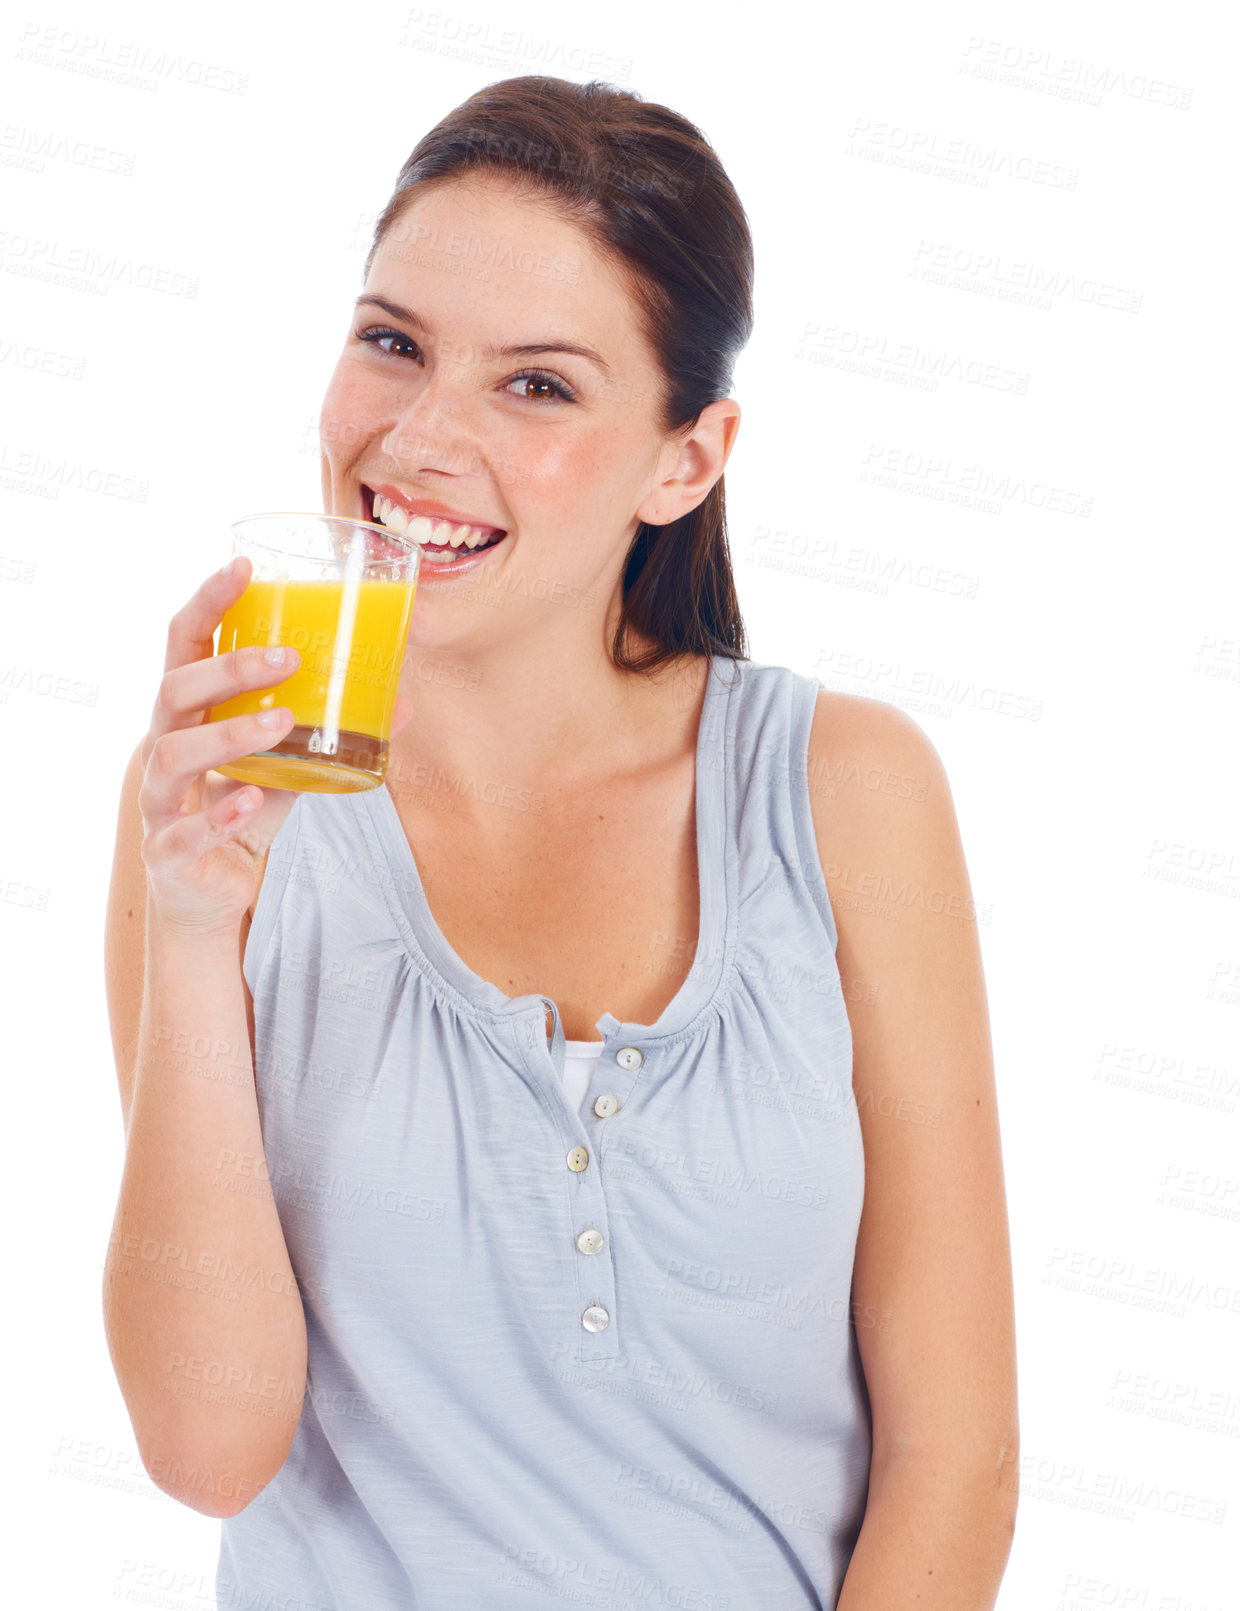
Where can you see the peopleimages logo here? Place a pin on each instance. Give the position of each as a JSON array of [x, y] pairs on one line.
[[124, 62], [405, 238], [523, 1565], [41, 360], [48, 684], [957, 156], [873, 352], [85, 268], [942, 692], [1016, 280], [892, 466], [1067, 76], [32, 149], [53, 474], [479, 42]]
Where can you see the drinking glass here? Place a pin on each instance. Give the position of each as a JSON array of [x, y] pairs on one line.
[[340, 591]]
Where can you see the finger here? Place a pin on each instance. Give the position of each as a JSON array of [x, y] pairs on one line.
[[182, 841], [178, 758], [188, 693], [191, 632]]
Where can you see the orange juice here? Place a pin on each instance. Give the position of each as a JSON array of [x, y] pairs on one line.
[[351, 638]]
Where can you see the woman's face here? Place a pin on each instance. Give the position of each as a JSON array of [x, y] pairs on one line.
[[550, 446]]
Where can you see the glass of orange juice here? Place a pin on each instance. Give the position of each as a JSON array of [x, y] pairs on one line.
[[340, 592]]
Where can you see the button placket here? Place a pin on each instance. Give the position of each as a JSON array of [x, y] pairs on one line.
[[599, 1337], [630, 1059], [595, 1284], [598, 1332], [594, 1317]]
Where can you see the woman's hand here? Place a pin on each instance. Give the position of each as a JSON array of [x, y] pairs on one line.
[[205, 833]]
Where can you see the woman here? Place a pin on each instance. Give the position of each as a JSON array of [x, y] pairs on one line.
[[428, 1318]]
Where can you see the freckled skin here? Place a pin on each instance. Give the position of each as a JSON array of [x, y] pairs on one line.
[[572, 480], [531, 701]]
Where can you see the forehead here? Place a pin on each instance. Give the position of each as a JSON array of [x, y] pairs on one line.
[[474, 250]]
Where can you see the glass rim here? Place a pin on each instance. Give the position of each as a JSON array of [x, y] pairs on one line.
[[393, 537]]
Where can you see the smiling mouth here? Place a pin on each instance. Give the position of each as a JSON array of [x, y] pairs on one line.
[[443, 543]]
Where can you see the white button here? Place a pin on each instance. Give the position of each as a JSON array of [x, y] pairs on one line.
[[629, 1057], [606, 1104], [595, 1318], [590, 1241], [578, 1158]]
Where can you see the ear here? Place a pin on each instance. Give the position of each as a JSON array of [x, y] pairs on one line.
[[690, 464]]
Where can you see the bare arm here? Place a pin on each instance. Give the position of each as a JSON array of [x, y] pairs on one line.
[[203, 1317], [933, 1256], [202, 1314]]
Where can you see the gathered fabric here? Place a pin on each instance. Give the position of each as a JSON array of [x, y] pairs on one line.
[[602, 1350]]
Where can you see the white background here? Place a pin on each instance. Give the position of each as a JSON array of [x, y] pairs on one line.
[[1084, 698]]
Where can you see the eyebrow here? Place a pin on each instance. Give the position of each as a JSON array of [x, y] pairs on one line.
[[527, 349]]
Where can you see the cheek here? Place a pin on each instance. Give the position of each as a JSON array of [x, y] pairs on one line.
[[588, 470], [350, 412], [564, 486]]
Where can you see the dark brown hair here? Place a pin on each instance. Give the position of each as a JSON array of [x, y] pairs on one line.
[[648, 191]]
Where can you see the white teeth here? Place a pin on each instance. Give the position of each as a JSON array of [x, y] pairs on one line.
[[395, 519], [424, 530]]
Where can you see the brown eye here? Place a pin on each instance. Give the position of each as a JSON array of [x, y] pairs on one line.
[[537, 377], [377, 337]]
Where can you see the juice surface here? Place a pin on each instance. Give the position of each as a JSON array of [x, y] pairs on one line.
[[351, 638]]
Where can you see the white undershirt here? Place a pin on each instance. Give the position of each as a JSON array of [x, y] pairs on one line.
[[580, 1057]]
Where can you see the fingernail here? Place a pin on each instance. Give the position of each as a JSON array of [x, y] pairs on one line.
[[271, 718], [274, 657], [227, 570]]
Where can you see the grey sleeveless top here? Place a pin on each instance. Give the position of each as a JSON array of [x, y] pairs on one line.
[[605, 1354]]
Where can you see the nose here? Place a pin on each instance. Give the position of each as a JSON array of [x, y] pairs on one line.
[[431, 433]]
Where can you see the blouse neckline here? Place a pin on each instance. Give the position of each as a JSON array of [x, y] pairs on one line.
[[430, 949]]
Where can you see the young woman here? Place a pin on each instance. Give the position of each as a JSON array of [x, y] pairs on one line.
[[572, 1167]]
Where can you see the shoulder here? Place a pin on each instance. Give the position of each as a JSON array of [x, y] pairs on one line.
[[882, 806], [872, 761], [881, 730]]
